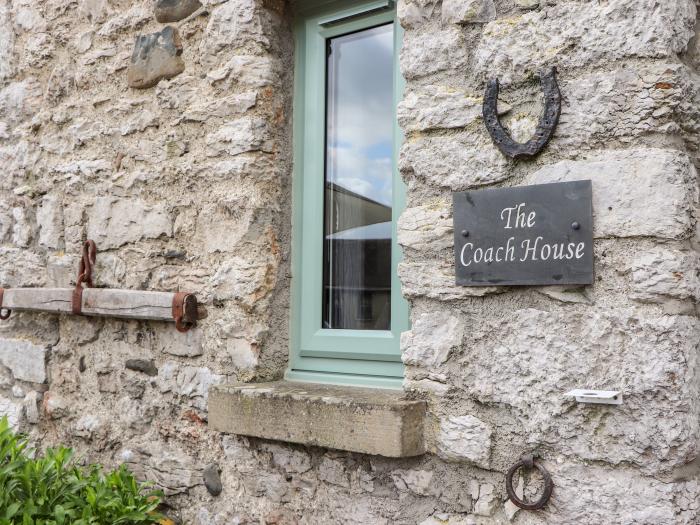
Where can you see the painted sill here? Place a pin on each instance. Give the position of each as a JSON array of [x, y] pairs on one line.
[[366, 420]]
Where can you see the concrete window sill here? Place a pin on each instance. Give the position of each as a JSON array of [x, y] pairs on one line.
[[366, 420]]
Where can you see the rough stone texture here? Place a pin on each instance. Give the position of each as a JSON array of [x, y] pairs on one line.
[[26, 361], [361, 420], [627, 201], [187, 186], [167, 11], [465, 438], [156, 57], [467, 11]]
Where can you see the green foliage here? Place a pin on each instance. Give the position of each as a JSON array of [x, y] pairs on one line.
[[52, 490]]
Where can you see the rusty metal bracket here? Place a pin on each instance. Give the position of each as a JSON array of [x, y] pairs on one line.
[[185, 311], [545, 127], [528, 461], [84, 275], [4, 312]]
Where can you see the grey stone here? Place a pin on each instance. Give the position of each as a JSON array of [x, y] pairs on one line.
[[26, 361], [465, 438], [433, 52], [114, 222], [427, 227], [169, 468], [49, 217], [626, 197], [146, 366], [372, 421], [431, 339], [573, 34], [156, 57], [457, 162], [436, 280], [168, 11], [212, 479], [12, 410], [468, 11]]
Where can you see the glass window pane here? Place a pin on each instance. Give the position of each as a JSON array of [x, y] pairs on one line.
[[358, 180]]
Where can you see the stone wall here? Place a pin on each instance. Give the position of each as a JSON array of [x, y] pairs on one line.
[[177, 163]]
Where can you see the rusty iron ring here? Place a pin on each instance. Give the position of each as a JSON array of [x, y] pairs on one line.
[[545, 127], [528, 461], [5, 313]]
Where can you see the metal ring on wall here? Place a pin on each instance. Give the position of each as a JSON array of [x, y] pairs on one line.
[[528, 461]]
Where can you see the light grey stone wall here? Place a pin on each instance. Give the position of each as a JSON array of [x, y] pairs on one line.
[[186, 185]]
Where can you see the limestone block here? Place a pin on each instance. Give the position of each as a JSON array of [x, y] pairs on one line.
[[49, 217], [20, 99], [168, 11], [433, 336], [5, 221], [290, 460], [573, 34], [487, 501], [61, 271], [441, 107], [245, 281], [623, 103], [413, 13], [436, 280], [113, 222], [662, 273], [128, 20], [432, 51], [84, 167], [235, 23], [527, 359], [248, 71], [169, 468], [333, 471], [22, 227], [457, 162], [12, 410], [28, 18], [239, 136], [7, 40], [417, 481], [26, 360], [426, 228], [635, 192], [188, 381], [94, 10], [465, 438], [21, 268], [31, 406], [189, 344], [226, 107], [371, 421], [156, 56], [583, 493], [468, 11]]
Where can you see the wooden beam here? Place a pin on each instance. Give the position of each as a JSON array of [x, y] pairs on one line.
[[127, 304]]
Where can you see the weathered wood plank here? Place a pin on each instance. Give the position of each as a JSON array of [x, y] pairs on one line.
[[128, 304]]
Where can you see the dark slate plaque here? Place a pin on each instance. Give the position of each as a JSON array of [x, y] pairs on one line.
[[528, 235]]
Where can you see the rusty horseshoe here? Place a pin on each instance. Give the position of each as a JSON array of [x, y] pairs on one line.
[[528, 461], [545, 127]]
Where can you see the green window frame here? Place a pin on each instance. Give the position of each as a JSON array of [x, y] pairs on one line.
[[352, 357]]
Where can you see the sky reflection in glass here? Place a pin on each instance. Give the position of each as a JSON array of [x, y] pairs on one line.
[[359, 173]]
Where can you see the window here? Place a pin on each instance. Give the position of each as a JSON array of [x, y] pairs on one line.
[[347, 308]]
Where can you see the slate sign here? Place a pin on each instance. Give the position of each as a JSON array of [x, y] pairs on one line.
[[527, 235]]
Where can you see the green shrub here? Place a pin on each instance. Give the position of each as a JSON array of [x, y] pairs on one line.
[[52, 490]]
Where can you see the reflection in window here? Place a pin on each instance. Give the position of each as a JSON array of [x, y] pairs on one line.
[[358, 180]]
